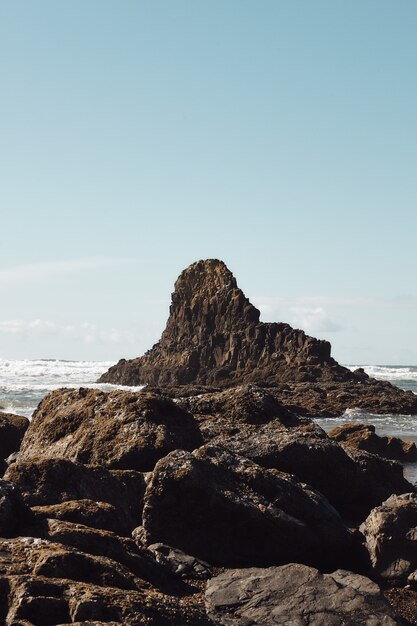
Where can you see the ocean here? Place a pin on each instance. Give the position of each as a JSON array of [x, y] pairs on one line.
[[23, 384]]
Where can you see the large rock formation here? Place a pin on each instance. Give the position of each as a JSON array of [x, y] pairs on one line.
[[213, 337]]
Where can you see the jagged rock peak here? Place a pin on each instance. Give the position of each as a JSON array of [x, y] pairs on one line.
[[214, 337], [207, 299]]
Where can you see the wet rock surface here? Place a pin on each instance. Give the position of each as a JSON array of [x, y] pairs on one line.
[[296, 595], [213, 337]]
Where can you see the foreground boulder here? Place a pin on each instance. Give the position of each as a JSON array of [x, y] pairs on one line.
[[390, 534], [296, 595], [229, 511], [12, 429], [214, 337], [54, 481], [45, 583], [14, 514], [363, 437], [249, 421], [118, 430]]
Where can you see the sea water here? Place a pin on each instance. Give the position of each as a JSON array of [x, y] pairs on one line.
[[23, 384]]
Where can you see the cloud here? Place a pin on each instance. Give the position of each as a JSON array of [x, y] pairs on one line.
[[314, 320], [85, 332], [49, 269]]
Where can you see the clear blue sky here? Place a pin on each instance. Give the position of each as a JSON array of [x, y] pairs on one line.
[[137, 137]]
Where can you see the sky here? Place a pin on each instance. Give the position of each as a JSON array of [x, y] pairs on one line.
[[137, 137]]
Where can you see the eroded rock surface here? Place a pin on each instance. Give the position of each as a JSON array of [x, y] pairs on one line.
[[229, 511], [54, 481], [12, 429], [391, 538], [118, 430], [249, 421], [296, 595], [363, 437], [214, 337]]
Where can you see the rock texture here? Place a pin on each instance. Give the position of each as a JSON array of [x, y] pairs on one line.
[[363, 437], [214, 337], [229, 511], [55, 481], [118, 430], [12, 429], [249, 421], [296, 595], [391, 539]]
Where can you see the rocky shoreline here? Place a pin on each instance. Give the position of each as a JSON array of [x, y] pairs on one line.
[[210, 498], [218, 509]]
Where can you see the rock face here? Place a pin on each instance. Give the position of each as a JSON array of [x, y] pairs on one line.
[[55, 481], [214, 337], [119, 430], [391, 538], [298, 595], [12, 429], [363, 437], [229, 511], [249, 421]]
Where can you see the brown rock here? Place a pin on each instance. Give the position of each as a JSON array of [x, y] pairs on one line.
[[45, 583], [100, 515], [363, 437], [14, 514], [54, 481], [229, 511], [12, 429], [118, 430], [391, 539], [296, 595], [249, 421], [213, 337]]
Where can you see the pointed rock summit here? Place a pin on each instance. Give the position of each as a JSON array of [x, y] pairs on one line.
[[214, 337]]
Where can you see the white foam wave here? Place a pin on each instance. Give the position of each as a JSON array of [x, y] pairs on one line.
[[391, 373]]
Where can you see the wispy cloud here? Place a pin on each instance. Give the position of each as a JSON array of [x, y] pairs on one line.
[[270, 305], [49, 269], [315, 320], [85, 332]]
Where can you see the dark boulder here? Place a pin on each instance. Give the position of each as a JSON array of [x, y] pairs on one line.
[[249, 421], [54, 481], [12, 429], [14, 514], [118, 430], [229, 511]]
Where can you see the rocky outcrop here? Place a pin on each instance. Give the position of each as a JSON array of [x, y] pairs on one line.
[[296, 594], [363, 437], [54, 481], [118, 430], [14, 514], [213, 337], [12, 429], [391, 539], [229, 511], [249, 421]]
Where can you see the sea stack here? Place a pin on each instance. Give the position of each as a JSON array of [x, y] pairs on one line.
[[214, 337]]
